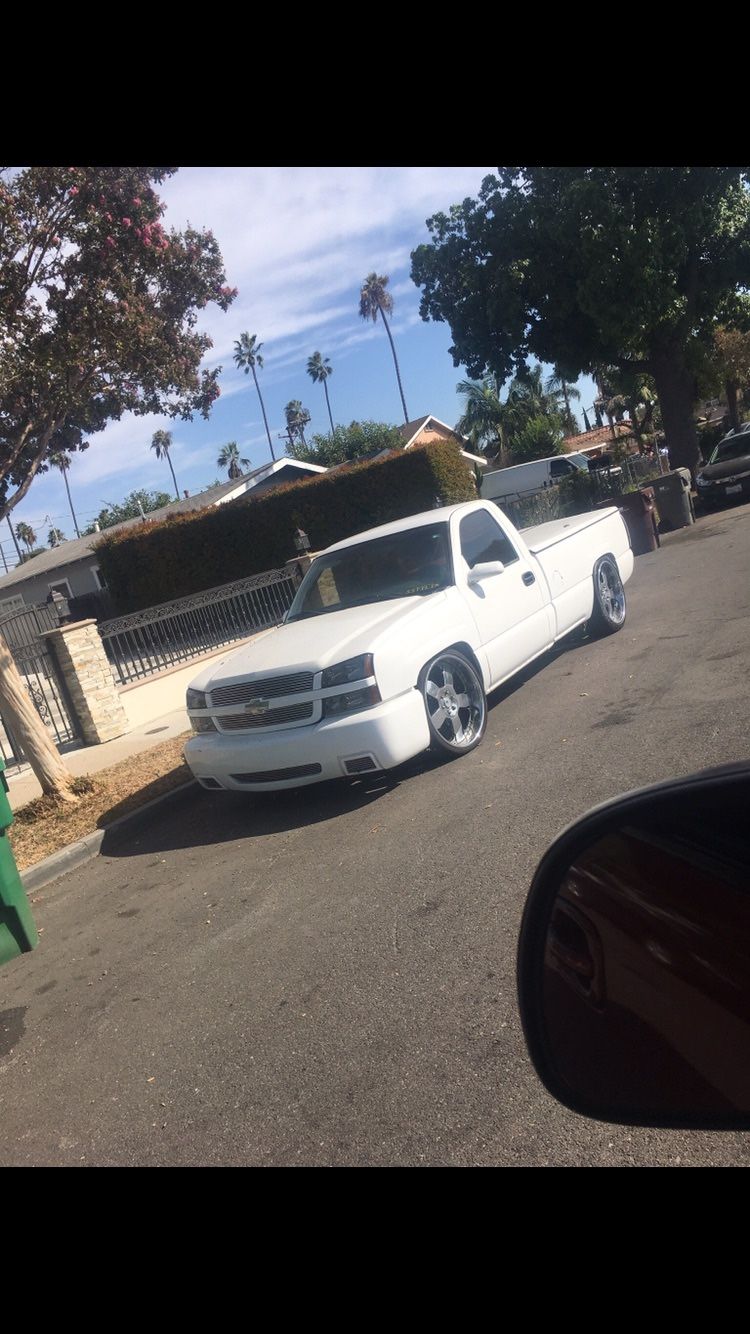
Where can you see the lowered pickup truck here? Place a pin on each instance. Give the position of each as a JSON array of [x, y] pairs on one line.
[[395, 638]]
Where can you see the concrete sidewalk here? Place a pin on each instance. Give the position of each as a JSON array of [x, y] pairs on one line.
[[80, 760]]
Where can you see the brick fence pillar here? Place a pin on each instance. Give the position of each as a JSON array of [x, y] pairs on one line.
[[80, 655]]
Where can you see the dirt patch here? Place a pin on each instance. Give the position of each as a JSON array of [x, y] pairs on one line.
[[44, 826]]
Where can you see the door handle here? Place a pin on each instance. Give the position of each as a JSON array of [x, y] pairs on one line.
[[528, 577]]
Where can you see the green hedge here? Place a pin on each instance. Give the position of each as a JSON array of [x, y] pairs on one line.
[[182, 555]]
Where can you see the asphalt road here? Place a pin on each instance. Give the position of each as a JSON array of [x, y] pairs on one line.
[[328, 976]]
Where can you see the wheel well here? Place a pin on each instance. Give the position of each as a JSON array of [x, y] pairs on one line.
[[460, 647]]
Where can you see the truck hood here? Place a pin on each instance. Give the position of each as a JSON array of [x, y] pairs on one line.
[[318, 642]]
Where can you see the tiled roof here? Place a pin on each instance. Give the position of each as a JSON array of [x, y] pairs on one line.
[[601, 435]]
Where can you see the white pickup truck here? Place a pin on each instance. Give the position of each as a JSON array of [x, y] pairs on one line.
[[394, 640]]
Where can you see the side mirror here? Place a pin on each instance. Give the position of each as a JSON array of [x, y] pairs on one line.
[[485, 570], [634, 957]]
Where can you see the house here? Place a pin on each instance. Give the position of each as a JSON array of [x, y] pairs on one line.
[[72, 568], [425, 430], [601, 438]]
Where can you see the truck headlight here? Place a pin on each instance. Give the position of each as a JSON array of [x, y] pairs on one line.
[[195, 699], [354, 669], [350, 701]]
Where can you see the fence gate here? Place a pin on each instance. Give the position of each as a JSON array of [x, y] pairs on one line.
[[23, 633]]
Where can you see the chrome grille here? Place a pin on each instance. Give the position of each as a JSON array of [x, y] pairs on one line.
[[271, 688], [239, 722]]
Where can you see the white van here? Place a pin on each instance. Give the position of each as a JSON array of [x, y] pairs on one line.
[[526, 478]]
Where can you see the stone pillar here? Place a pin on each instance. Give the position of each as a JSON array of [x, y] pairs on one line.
[[299, 565], [79, 653]]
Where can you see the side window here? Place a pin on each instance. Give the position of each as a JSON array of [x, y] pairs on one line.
[[482, 539], [561, 467]]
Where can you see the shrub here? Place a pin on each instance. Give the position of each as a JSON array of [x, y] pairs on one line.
[[187, 553]]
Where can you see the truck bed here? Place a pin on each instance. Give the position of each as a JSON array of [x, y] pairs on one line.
[[545, 535]]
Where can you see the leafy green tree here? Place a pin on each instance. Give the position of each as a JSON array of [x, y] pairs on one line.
[[129, 508], [374, 300], [25, 533], [61, 461], [98, 306], [55, 536], [539, 438], [584, 266], [229, 458], [730, 359], [345, 443], [161, 443], [247, 355], [319, 369]]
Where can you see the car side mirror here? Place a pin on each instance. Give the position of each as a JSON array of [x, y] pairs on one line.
[[485, 570], [634, 957]]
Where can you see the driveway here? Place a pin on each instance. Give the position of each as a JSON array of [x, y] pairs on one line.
[[328, 977]]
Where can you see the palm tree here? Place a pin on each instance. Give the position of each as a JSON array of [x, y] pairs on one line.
[[297, 418], [61, 461], [55, 536], [25, 533], [161, 443], [483, 417], [229, 458], [319, 368], [557, 385], [247, 357], [373, 298]]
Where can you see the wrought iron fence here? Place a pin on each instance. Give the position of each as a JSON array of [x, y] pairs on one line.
[[23, 633], [158, 637]]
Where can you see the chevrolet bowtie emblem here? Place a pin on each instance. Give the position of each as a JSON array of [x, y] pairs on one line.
[[257, 706]]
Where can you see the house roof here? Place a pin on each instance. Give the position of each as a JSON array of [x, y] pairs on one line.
[[410, 431], [68, 553], [600, 436]]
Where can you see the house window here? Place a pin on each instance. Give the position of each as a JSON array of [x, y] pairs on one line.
[[63, 587], [101, 582]]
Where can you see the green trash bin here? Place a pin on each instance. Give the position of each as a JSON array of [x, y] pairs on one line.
[[18, 933]]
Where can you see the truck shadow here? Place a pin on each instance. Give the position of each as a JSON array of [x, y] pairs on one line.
[[200, 818]]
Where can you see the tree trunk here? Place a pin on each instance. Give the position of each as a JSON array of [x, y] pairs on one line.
[[730, 388], [263, 410], [27, 726], [70, 502], [675, 388], [395, 362], [174, 479], [328, 405]]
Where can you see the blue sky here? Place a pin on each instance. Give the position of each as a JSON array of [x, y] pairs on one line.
[[297, 242]]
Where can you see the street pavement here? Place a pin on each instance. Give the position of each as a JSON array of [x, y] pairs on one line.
[[327, 977]]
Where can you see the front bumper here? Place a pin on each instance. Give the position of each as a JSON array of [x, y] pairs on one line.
[[388, 734], [723, 493]]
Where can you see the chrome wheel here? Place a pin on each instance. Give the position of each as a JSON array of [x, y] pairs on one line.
[[609, 596], [455, 702]]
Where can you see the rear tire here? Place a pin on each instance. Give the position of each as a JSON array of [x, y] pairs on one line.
[[610, 607]]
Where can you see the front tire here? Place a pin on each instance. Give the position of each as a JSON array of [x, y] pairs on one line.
[[455, 703], [610, 607]]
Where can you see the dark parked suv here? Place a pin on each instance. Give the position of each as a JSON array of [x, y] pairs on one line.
[[726, 476]]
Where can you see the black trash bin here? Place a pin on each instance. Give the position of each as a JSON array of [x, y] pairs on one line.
[[639, 512], [672, 493]]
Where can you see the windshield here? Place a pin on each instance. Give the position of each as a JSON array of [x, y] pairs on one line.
[[580, 461], [413, 563], [737, 448]]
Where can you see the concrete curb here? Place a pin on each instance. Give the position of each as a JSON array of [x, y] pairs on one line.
[[76, 854]]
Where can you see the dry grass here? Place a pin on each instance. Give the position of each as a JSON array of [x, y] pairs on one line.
[[45, 825]]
